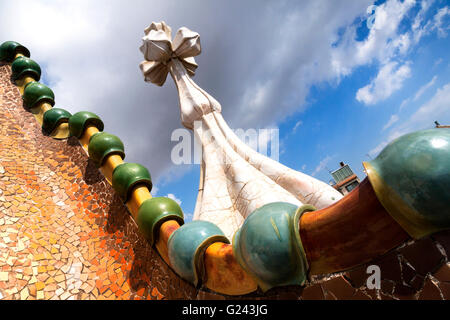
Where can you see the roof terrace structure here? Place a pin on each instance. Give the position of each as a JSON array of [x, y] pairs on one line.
[[345, 180]]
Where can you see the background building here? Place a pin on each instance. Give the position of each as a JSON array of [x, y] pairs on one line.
[[344, 179]]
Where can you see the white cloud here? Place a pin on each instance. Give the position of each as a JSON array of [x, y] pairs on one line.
[[392, 136], [188, 216], [437, 108], [382, 44], [322, 165], [283, 59], [390, 78], [418, 31], [173, 197], [404, 103], [297, 125], [424, 88], [393, 119], [438, 62], [439, 23], [435, 24], [387, 45], [378, 148]]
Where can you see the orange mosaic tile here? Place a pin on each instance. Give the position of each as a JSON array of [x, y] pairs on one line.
[[64, 234]]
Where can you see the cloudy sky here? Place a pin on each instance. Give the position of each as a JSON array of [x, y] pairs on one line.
[[339, 79]]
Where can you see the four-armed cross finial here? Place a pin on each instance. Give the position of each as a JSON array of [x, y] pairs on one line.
[[177, 57], [159, 50]]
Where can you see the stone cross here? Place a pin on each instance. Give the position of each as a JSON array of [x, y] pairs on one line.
[[235, 180]]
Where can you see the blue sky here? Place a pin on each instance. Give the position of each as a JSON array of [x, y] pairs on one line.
[[336, 89]]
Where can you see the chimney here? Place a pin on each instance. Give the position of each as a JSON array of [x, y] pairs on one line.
[[342, 164]]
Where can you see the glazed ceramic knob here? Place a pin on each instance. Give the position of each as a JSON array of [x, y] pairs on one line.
[[268, 245], [187, 246], [53, 118], [9, 49], [103, 144], [153, 212], [127, 175], [24, 66], [411, 178], [81, 120], [36, 93]]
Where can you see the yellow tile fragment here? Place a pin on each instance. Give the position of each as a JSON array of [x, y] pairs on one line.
[[39, 256], [3, 276], [12, 291], [40, 285], [42, 269], [40, 295], [24, 294], [27, 235]]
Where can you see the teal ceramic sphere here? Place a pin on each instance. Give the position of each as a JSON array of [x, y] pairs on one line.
[[411, 178], [268, 246], [187, 246]]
